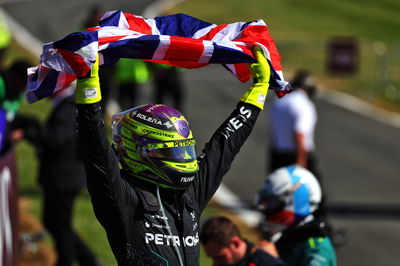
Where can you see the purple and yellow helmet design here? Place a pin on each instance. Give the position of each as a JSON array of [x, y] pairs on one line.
[[154, 143]]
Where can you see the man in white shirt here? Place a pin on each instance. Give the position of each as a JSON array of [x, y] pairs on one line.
[[293, 119]]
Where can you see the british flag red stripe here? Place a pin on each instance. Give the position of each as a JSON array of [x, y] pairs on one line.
[[178, 40]]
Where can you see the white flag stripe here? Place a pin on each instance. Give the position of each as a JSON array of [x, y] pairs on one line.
[[153, 26], [207, 52], [162, 48], [202, 32]]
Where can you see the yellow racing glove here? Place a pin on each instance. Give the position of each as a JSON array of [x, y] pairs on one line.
[[88, 88], [260, 71]]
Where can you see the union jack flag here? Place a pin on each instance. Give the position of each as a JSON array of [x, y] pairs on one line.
[[179, 40]]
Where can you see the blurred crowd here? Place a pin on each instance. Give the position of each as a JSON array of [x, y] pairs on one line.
[[295, 229]]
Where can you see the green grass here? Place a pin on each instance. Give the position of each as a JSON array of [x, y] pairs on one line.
[[302, 30]]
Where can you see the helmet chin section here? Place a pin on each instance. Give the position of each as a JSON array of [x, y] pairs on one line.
[[175, 180], [181, 174], [171, 175], [183, 181]]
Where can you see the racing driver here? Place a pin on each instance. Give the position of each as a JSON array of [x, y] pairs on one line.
[[149, 188]]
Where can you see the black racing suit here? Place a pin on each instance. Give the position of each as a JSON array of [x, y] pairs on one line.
[[128, 209]]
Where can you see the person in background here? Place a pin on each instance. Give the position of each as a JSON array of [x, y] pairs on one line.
[[293, 119], [168, 85], [62, 177], [12, 86], [5, 39], [93, 17], [130, 75], [222, 242], [288, 200]]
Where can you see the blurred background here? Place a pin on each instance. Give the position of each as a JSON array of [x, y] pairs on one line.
[[353, 50]]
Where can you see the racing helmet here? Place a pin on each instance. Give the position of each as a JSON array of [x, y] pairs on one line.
[[289, 196], [154, 143]]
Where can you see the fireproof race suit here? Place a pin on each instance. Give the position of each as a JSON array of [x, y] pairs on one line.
[[128, 208]]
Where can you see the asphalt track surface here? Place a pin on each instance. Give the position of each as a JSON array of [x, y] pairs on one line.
[[359, 157]]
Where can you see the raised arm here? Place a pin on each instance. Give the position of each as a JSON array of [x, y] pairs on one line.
[[102, 170], [226, 142]]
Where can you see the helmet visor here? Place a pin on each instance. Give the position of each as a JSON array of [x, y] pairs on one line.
[[178, 151], [270, 204]]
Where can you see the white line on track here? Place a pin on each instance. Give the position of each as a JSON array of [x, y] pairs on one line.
[[356, 105]]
